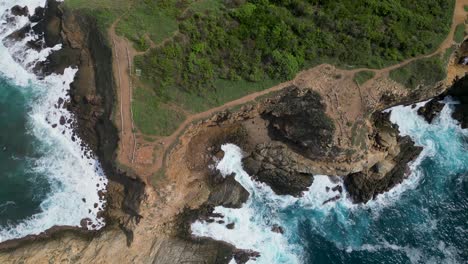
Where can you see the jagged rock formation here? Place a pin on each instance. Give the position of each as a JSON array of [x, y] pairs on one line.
[[298, 118], [384, 174], [430, 110], [283, 170], [459, 91]]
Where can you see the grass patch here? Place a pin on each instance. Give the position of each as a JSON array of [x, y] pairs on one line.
[[150, 20], [427, 71], [466, 8], [105, 11], [363, 76], [205, 6], [459, 33], [153, 117], [224, 92]]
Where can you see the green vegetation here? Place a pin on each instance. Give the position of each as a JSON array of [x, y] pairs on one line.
[[465, 7], [363, 76], [459, 33], [105, 11], [427, 71], [149, 21], [216, 51], [153, 117]]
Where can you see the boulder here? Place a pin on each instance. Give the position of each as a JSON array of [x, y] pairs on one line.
[[286, 172], [19, 11], [229, 194], [431, 109]]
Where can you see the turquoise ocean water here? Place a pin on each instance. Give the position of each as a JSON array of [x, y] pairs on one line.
[[423, 220]]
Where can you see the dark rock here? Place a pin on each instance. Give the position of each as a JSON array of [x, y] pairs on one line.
[[277, 166], [364, 186], [38, 15], [19, 11], [84, 223], [230, 226], [62, 120], [297, 117], [459, 91], [338, 188], [243, 256], [332, 199], [229, 194], [277, 229], [430, 110], [19, 34]]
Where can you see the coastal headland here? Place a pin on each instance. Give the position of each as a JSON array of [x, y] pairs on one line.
[[324, 120]]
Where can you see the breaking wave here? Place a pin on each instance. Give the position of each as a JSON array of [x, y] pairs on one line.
[[74, 176], [422, 220]]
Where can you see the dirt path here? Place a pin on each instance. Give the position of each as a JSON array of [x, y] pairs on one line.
[[145, 158]]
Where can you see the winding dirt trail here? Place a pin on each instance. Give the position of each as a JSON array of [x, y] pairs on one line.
[[145, 158]]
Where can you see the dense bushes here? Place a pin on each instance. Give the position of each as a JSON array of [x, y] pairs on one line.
[[260, 39]]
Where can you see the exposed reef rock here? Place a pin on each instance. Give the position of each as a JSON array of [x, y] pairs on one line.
[[384, 174]]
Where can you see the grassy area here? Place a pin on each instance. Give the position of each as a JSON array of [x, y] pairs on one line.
[[105, 11], [427, 71], [363, 76], [225, 91], [153, 117], [459, 34], [150, 21], [466, 8]]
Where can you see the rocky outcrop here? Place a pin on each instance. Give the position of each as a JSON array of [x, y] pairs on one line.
[[459, 91], [285, 171], [19, 11], [431, 109], [387, 173], [228, 193], [297, 117]]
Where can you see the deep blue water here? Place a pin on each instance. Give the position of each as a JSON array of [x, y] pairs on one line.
[[423, 220]]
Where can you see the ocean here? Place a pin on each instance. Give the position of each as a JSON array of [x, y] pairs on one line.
[[422, 220], [46, 178]]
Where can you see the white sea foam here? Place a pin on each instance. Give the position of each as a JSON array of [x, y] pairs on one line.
[[253, 222], [252, 227], [74, 177]]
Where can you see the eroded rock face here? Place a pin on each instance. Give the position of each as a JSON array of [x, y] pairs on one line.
[[229, 193], [385, 174], [459, 91], [279, 167], [297, 117], [430, 110]]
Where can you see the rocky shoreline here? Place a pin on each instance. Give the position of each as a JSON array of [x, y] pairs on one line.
[[92, 96], [287, 138]]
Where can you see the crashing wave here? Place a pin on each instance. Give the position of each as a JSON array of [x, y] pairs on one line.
[[76, 178]]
